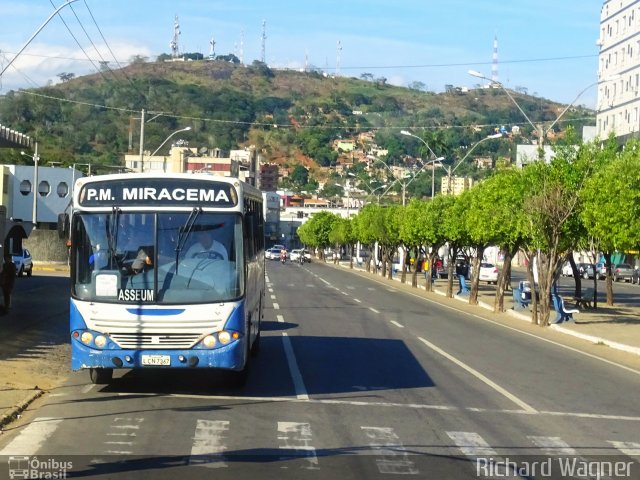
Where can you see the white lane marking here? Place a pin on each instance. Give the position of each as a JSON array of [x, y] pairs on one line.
[[273, 297], [391, 455], [310, 285], [296, 437], [323, 280], [123, 427], [296, 376], [373, 310], [370, 288], [525, 406], [356, 300], [276, 306], [270, 290], [516, 330], [399, 325], [280, 318], [552, 445], [631, 449], [471, 444], [344, 293], [209, 444], [32, 437], [391, 290], [349, 287], [87, 388]]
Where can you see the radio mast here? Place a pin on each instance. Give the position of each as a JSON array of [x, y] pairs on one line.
[[263, 57], [173, 44]]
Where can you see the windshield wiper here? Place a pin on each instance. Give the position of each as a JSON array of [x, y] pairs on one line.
[[185, 230], [112, 234]]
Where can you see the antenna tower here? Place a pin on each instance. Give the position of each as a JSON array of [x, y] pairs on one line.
[[263, 57], [173, 44], [339, 49], [494, 63], [241, 56]]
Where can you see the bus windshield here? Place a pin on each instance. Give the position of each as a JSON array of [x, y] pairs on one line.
[[157, 258]]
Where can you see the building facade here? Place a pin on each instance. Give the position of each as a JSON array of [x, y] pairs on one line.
[[618, 109]]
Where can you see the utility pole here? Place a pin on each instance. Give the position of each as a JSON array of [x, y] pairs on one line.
[[142, 141]]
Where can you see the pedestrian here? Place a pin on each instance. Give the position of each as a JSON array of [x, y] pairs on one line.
[[7, 280]]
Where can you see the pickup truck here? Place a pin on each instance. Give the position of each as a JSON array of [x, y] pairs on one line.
[[622, 271]]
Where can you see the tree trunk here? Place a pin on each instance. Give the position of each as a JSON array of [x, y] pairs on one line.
[[609, 279], [475, 278], [453, 254], [504, 279]]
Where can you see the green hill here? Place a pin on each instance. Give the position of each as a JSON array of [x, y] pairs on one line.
[[286, 114]]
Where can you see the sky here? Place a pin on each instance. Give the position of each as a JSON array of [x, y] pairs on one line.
[[547, 47]]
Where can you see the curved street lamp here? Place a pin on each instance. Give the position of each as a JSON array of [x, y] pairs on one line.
[[437, 159], [542, 132], [185, 129], [455, 167]]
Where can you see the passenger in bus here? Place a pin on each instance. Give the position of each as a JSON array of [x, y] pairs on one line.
[[207, 247]]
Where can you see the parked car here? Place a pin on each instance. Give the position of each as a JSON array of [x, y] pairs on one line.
[[636, 276], [567, 271], [24, 263], [622, 271], [488, 273]]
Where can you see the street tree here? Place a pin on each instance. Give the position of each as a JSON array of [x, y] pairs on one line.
[[612, 215]]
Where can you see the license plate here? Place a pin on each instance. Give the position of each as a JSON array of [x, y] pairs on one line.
[[156, 360]]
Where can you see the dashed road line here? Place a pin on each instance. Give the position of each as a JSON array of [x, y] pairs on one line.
[[525, 406]]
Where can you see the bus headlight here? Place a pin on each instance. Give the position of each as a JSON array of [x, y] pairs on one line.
[[86, 337], [209, 341], [100, 341], [224, 337]]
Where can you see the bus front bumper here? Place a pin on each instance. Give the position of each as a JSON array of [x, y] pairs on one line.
[[228, 357]]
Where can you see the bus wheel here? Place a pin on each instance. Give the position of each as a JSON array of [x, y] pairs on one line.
[[100, 376]]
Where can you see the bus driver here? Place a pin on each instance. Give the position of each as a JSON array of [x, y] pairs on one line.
[[207, 247]]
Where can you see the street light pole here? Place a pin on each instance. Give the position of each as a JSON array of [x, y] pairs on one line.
[[185, 129], [451, 170], [542, 132], [35, 157], [36, 33], [437, 159]]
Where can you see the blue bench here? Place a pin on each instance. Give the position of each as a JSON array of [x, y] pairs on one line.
[[563, 314], [520, 302]]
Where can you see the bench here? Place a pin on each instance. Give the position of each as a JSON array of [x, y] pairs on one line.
[[585, 300], [563, 314]]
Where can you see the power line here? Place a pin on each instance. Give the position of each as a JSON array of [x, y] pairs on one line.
[[278, 125]]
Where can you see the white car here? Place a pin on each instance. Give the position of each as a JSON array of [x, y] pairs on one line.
[[294, 255], [272, 254], [23, 262], [566, 270], [488, 273]]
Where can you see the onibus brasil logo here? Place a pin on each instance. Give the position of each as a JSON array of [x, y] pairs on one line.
[[33, 467]]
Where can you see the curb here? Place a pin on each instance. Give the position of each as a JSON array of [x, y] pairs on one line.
[[18, 408], [590, 338]]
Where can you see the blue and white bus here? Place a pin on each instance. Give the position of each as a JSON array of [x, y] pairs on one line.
[[138, 300]]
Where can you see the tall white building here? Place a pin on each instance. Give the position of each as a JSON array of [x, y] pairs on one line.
[[618, 107]]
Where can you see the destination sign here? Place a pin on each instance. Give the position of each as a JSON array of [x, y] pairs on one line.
[[158, 192]]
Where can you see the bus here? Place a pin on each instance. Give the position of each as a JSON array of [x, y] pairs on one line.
[[139, 298]]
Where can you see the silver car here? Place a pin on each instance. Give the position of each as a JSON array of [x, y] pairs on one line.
[[622, 271], [23, 262]]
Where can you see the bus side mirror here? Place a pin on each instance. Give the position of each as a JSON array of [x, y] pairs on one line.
[[63, 225]]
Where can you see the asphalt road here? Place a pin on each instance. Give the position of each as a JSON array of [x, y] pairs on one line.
[[355, 379]]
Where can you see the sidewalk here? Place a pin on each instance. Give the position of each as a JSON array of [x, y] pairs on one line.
[[18, 391], [617, 327]]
